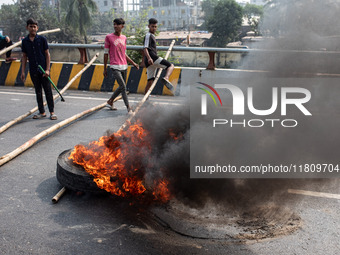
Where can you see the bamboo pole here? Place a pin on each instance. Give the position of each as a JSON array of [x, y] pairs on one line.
[[4, 159], [61, 192], [19, 43], [78, 74], [16, 120], [146, 96]]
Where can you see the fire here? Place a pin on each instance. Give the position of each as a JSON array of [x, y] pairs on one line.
[[175, 136], [118, 164]]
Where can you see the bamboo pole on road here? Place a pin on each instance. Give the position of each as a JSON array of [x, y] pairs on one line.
[[16, 120], [4, 159]]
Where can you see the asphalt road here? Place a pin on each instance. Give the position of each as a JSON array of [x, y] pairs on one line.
[[89, 224]]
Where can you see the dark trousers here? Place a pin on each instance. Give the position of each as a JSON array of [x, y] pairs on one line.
[[4, 44], [40, 83], [120, 77]]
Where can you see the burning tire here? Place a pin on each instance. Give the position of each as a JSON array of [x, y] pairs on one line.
[[74, 177]]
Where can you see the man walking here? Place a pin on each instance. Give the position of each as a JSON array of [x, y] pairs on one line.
[[115, 47]]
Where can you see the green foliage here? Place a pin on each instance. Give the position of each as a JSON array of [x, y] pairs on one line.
[[254, 14], [78, 14], [135, 30], [12, 26], [101, 22], [14, 17], [224, 23], [208, 9]]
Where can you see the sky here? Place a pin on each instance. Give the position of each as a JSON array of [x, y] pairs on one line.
[[6, 2]]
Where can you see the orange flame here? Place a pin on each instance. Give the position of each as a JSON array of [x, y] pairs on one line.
[[117, 163]]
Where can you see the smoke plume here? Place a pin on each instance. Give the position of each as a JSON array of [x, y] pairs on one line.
[[298, 50]]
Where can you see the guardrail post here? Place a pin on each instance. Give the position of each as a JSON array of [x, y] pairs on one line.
[[211, 65], [83, 56], [142, 64]]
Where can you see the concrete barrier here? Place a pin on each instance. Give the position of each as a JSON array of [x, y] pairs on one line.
[[92, 79]]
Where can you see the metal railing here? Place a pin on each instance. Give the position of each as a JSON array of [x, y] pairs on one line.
[[210, 51], [241, 49]]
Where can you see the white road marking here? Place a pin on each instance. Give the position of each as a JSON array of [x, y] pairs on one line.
[[154, 100], [16, 93], [313, 193]]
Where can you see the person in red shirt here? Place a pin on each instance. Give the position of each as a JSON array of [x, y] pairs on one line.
[[115, 47]]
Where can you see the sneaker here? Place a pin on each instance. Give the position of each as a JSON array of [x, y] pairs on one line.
[[167, 84], [9, 60]]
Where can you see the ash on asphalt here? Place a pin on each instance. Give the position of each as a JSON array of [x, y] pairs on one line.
[[230, 225]]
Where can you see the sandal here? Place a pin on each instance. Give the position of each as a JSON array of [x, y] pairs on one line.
[[39, 116], [129, 109], [53, 117], [111, 107]]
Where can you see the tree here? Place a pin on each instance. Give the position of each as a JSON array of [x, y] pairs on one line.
[[254, 14], [135, 30], [78, 14], [101, 22], [224, 23], [208, 9], [14, 17], [10, 22]]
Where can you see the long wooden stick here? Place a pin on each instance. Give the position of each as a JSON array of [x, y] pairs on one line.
[[78, 74], [16, 120], [56, 198], [19, 43], [4, 159], [146, 96]]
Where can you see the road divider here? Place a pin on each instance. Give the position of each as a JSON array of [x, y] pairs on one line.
[[92, 79]]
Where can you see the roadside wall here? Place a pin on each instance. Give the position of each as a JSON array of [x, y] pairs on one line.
[[93, 79]]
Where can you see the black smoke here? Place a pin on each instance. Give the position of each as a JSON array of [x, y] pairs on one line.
[[300, 40]]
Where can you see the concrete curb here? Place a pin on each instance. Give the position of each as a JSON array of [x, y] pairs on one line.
[[92, 79]]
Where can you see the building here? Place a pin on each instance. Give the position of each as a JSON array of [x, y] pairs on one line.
[[171, 14], [258, 2], [177, 15], [108, 5], [103, 5], [184, 38]]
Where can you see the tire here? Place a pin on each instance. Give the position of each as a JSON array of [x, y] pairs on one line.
[[74, 177]]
